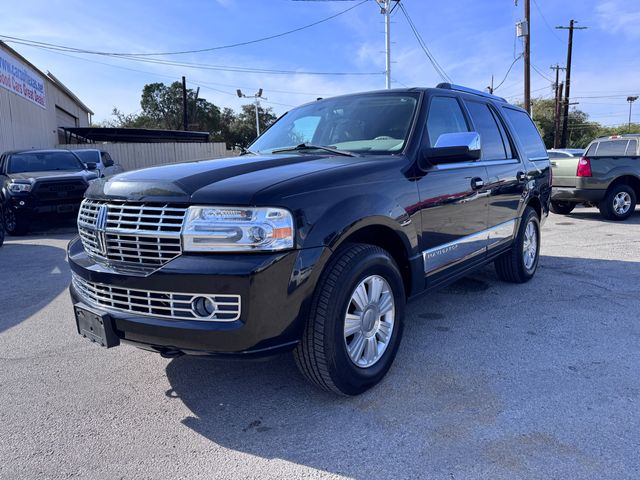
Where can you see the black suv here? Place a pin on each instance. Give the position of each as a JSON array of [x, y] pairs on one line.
[[40, 181], [314, 240]]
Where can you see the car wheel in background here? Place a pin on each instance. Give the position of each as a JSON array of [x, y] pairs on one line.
[[619, 204], [520, 263], [355, 323], [15, 223], [1, 227], [562, 208]]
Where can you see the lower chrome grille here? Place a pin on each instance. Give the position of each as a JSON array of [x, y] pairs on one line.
[[132, 237], [175, 305]]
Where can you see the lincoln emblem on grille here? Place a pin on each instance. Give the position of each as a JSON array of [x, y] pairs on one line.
[[101, 227]]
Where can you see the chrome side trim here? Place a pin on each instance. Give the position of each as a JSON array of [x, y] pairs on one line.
[[501, 233], [438, 258]]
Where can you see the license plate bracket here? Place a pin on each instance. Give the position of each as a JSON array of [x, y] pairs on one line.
[[96, 326]]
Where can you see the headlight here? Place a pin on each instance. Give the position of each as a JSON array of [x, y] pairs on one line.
[[234, 229], [19, 187]]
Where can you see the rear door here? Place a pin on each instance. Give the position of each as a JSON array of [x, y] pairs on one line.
[[453, 197], [506, 173]]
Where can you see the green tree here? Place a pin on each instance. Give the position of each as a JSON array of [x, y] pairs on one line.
[[243, 127]]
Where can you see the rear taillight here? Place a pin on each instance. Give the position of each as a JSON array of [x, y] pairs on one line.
[[584, 167]]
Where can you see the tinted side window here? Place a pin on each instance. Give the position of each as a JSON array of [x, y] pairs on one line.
[[490, 137], [591, 151], [632, 148], [106, 159], [445, 116], [527, 132], [614, 148]]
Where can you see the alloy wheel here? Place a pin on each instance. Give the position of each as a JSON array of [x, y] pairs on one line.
[[369, 320], [530, 246], [621, 203]]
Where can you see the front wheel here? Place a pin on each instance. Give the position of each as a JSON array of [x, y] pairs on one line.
[[15, 223], [562, 208], [355, 323], [519, 264], [619, 204]]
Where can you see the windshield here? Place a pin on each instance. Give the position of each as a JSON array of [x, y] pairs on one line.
[[375, 123], [43, 162], [88, 156]]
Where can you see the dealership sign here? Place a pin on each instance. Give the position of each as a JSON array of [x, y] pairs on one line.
[[21, 80]]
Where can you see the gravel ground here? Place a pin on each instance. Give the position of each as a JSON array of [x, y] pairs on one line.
[[492, 381]]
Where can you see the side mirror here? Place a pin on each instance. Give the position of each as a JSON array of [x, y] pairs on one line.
[[91, 166], [453, 148]]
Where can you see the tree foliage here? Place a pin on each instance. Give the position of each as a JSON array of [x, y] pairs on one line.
[[162, 108], [580, 130]]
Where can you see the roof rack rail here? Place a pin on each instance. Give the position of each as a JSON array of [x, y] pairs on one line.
[[460, 88]]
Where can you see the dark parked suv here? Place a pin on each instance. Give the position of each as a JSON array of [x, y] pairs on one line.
[[314, 240], [34, 182]]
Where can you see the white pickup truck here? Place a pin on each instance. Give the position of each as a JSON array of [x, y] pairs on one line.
[[105, 166]]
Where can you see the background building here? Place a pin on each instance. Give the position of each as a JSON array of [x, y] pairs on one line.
[[33, 106]]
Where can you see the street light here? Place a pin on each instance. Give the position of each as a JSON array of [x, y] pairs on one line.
[[631, 100], [256, 105]]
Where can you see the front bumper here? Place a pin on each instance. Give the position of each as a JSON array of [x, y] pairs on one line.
[[275, 291], [31, 205], [577, 195]]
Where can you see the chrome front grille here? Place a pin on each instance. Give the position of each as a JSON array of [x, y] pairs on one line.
[[132, 237], [179, 306]]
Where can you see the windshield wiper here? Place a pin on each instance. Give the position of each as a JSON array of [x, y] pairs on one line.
[[309, 146]]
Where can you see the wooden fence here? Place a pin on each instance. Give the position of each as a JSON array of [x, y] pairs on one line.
[[133, 156]]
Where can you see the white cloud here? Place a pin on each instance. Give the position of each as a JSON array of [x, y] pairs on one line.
[[619, 17]]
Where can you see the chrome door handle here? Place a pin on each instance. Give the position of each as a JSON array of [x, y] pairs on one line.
[[477, 183]]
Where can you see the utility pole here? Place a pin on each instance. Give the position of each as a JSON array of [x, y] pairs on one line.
[[490, 87], [256, 104], [556, 112], [631, 100], [385, 9], [527, 55], [185, 119], [567, 82]]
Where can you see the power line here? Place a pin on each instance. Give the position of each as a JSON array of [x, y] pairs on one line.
[[544, 19], [205, 66], [508, 71], [439, 70], [201, 50], [541, 74]]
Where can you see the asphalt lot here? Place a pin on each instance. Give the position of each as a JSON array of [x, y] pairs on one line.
[[492, 381]]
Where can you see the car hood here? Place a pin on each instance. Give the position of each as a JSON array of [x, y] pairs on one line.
[[228, 181], [33, 177]]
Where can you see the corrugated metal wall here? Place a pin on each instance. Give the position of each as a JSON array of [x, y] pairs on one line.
[[26, 125], [141, 155]]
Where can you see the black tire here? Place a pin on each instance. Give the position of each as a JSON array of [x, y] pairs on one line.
[[511, 266], [1, 227], [322, 354], [562, 208], [15, 223], [608, 206]]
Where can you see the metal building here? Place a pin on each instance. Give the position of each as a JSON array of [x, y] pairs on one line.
[[34, 107]]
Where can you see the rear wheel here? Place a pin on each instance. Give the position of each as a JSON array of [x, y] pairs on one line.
[[562, 208], [355, 324], [15, 223], [520, 263], [619, 204]]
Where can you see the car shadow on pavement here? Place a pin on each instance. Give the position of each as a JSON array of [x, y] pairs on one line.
[[457, 377], [591, 214], [32, 276]]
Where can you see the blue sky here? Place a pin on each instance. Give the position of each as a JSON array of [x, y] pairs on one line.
[[470, 39]]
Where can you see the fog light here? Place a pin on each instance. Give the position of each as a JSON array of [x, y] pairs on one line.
[[21, 203], [203, 307]]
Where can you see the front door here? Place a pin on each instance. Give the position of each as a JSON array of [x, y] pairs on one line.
[[453, 197]]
